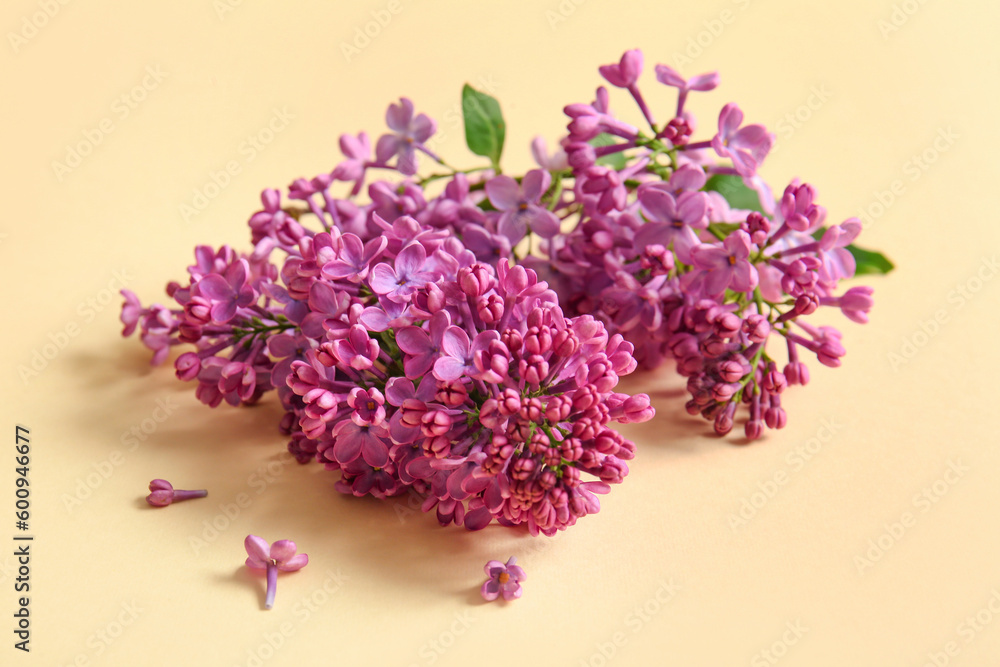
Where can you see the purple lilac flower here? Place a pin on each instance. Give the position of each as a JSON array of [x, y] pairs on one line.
[[673, 223], [357, 150], [519, 206], [702, 82], [504, 579], [162, 493], [408, 273], [409, 135], [726, 267], [272, 558], [746, 146]]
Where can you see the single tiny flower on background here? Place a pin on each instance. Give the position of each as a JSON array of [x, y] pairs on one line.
[[504, 579], [263, 557], [410, 133], [163, 493]]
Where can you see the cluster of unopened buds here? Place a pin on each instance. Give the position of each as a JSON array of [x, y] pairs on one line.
[[460, 334]]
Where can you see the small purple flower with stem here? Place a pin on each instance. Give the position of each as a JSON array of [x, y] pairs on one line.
[[520, 206], [625, 75], [357, 350], [746, 146], [131, 312], [554, 162], [354, 261], [727, 267], [163, 493], [422, 348], [702, 82], [504, 579], [229, 292], [671, 220], [271, 558], [410, 135], [356, 150], [407, 275]]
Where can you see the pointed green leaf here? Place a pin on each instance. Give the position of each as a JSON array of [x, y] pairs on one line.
[[870, 261], [615, 160], [735, 192], [484, 124]]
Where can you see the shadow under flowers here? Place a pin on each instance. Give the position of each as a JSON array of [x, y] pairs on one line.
[[241, 457]]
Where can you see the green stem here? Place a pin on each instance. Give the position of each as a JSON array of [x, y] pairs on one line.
[[433, 177], [716, 232], [556, 194], [257, 327]]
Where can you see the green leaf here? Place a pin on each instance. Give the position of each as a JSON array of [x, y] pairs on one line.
[[484, 125], [615, 160], [735, 191], [726, 228], [870, 261]]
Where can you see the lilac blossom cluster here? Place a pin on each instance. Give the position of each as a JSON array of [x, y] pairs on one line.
[[459, 333], [680, 246], [408, 352]]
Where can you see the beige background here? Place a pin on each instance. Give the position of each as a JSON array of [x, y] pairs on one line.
[[667, 573]]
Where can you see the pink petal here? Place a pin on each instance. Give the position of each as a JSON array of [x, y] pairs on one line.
[[744, 277], [668, 76], [688, 177], [612, 74], [295, 563], [257, 548], [850, 230], [413, 340], [398, 116], [348, 447], [255, 564], [160, 485], [375, 452], [448, 368], [631, 66], [542, 222], [658, 205], [236, 275], [410, 260], [730, 119], [455, 342], [512, 226], [215, 287], [704, 82], [691, 207], [534, 184], [283, 550], [478, 518], [511, 591], [707, 256], [224, 311], [503, 192], [324, 299], [387, 146], [422, 128], [383, 279], [490, 590], [717, 281]]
